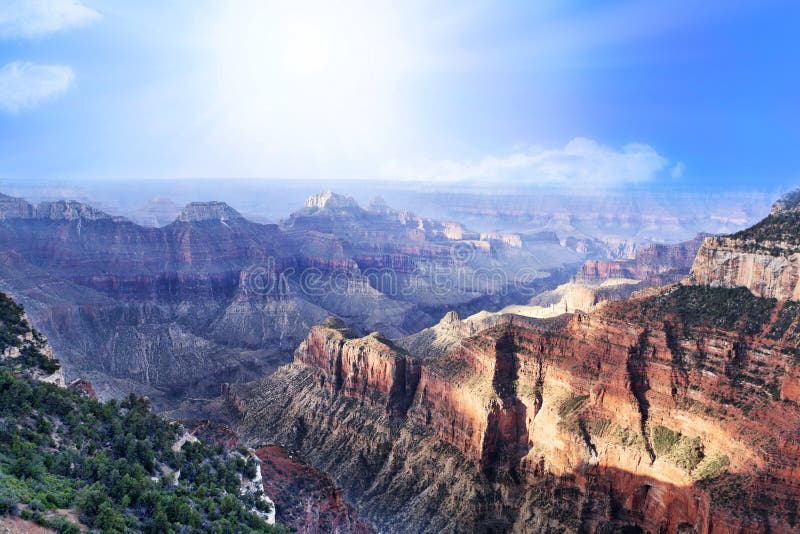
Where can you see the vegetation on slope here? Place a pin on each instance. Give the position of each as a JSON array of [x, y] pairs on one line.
[[112, 462], [15, 332], [701, 306], [685, 452], [776, 234]]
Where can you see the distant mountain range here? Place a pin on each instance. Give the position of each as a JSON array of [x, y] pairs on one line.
[[639, 215]]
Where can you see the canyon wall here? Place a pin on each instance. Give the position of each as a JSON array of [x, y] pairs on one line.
[[601, 281], [722, 262], [670, 412], [764, 258]]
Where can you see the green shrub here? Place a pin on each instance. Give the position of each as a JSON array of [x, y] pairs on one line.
[[687, 453], [663, 439], [103, 456], [9, 502], [702, 306], [780, 227], [711, 468], [683, 451], [625, 436], [598, 427], [63, 526], [571, 404]]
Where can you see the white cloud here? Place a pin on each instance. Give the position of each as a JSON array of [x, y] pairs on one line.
[[24, 85], [34, 18], [582, 162]]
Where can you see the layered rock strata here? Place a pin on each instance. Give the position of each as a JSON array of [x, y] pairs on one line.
[[764, 258], [674, 411]]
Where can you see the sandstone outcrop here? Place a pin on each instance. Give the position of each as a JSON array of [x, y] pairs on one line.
[[723, 262], [330, 200]]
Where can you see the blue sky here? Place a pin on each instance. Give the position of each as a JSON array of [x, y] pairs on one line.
[[603, 94]]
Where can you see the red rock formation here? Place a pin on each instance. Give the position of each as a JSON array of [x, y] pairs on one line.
[[663, 412], [370, 368]]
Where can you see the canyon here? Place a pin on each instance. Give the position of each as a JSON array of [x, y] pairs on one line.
[[674, 410], [172, 312], [441, 379]]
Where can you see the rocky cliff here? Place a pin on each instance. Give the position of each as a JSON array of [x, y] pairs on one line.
[[23, 349], [764, 258], [670, 412], [723, 262], [306, 498]]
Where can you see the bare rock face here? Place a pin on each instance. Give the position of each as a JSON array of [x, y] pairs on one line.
[[208, 211], [70, 211], [663, 412], [764, 258], [14, 208], [306, 498], [330, 200], [723, 262], [372, 368], [63, 210]]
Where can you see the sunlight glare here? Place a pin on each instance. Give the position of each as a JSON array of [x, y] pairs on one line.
[[309, 81], [307, 49]]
